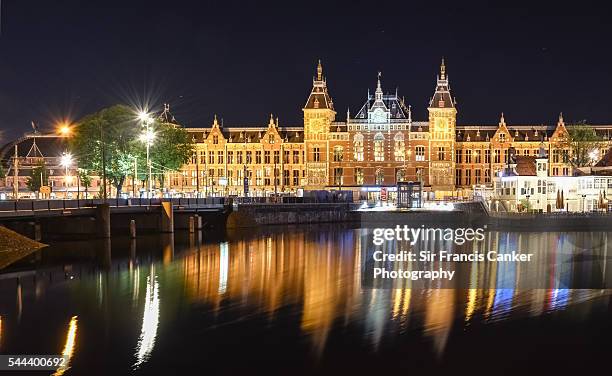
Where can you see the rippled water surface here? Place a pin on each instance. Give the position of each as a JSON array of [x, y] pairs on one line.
[[296, 301]]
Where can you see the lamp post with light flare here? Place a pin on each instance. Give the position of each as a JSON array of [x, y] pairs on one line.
[[147, 137], [66, 162]]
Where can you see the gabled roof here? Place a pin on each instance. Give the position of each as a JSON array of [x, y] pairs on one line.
[[166, 116], [391, 102], [526, 165], [606, 160]]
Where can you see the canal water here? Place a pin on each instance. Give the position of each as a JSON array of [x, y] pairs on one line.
[[298, 301]]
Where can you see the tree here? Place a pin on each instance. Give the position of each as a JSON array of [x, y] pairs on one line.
[[114, 129], [584, 143], [121, 131], [171, 149], [85, 179], [39, 176]]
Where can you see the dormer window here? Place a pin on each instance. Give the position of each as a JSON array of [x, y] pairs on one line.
[[316, 103], [215, 140], [271, 139], [502, 137]]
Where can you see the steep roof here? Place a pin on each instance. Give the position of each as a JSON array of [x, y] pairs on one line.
[[606, 160], [319, 97], [442, 97], [526, 165]]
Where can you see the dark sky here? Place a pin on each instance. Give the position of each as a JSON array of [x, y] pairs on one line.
[[245, 60]]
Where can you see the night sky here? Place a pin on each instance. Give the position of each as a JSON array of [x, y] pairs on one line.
[[244, 61]]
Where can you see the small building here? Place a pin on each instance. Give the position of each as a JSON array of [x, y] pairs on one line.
[[526, 185]]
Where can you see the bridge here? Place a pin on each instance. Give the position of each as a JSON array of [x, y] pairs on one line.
[[41, 219]]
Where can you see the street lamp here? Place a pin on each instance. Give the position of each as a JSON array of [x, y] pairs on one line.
[[64, 129], [147, 137], [66, 162]]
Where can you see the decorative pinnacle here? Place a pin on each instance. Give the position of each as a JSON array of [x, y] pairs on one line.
[[319, 71], [442, 70]]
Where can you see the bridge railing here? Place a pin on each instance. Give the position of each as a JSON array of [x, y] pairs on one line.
[[48, 205]]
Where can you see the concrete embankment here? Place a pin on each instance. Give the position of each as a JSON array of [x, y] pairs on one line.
[[552, 222], [252, 215]]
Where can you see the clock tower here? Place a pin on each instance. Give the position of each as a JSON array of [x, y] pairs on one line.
[[442, 117], [319, 113]]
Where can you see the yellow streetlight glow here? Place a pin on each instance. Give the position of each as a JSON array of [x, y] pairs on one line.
[[64, 129]]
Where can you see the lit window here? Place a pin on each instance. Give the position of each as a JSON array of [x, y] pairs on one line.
[[338, 153], [358, 147], [379, 147], [420, 153], [399, 150]]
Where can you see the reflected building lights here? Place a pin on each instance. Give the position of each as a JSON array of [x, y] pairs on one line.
[[136, 286], [68, 351], [223, 267], [150, 321]]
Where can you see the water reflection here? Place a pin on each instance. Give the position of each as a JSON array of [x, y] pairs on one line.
[[312, 281], [68, 350], [150, 320]]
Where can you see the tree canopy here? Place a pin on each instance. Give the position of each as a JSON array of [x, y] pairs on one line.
[[39, 176], [117, 130], [582, 141]]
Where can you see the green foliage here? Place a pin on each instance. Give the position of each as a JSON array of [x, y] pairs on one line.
[[171, 148], [34, 180], [85, 179], [119, 130], [2, 172], [582, 141], [115, 129]]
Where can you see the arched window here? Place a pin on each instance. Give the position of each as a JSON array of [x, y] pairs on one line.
[[379, 147], [380, 176], [358, 147], [338, 153], [399, 150]]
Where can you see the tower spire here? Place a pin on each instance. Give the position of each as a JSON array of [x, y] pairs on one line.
[[379, 93], [319, 71], [442, 70]]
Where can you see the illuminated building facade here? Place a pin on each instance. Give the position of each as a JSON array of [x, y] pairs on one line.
[[374, 148], [377, 147]]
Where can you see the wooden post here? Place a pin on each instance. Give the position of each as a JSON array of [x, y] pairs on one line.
[[198, 222], [103, 220], [132, 229], [167, 217]]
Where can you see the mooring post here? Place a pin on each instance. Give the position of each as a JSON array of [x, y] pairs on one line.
[[191, 225], [103, 220], [167, 217], [37, 232], [132, 229]]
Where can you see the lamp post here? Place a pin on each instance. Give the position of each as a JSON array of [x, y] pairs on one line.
[[147, 137], [66, 162]]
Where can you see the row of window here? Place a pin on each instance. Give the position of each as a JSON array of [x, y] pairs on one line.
[[242, 157], [466, 179]]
